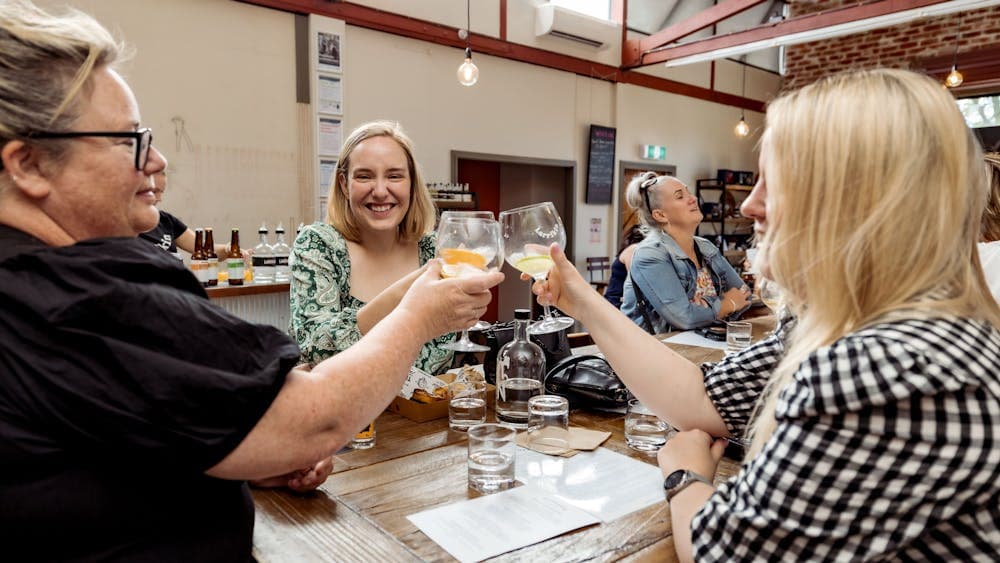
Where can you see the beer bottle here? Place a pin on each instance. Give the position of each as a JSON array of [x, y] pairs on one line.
[[199, 264], [211, 257], [235, 261]]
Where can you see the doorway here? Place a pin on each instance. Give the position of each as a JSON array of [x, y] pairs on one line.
[[505, 182]]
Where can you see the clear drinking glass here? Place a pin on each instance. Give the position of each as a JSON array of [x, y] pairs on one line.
[[466, 404], [644, 431], [770, 293], [739, 334], [548, 423], [448, 214], [527, 234], [468, 245], [492, 448]]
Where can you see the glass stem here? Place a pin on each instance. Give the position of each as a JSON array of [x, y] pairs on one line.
[[546, 313], [465, 336]]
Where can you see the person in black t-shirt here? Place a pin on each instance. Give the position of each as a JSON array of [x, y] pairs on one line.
[[171, 233], [132, 410]]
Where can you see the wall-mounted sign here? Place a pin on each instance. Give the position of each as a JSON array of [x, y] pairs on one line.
[[654, 152], [601, 164]]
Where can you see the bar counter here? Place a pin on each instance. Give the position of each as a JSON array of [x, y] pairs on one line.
[[265, 303]]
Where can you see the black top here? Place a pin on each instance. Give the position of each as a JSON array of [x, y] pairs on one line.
[[120, 385], [616, 283], [166, 232]]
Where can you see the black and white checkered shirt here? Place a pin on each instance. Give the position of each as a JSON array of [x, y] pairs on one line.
[[887, 448]]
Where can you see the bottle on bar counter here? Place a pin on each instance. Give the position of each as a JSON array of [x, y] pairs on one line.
[[520, 374], [282, 273], [199, 264], [234, 264], [212, 259], [263, 258]]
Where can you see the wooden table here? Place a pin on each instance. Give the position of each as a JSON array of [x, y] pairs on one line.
[[360, 513]]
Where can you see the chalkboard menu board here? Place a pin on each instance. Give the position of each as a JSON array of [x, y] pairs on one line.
[[601, 164]]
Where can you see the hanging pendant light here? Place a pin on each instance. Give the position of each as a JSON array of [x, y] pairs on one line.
[[742, 128], [468, 72], [955, 78]]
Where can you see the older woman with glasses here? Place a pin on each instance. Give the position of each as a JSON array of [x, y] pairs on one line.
[[676, 280], [133, 410]]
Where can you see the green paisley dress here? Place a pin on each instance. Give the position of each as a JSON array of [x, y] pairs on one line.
[[324, 314]]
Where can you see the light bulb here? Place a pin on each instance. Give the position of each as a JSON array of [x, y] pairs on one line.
[[742, 128], [468, 72], [954, 78]]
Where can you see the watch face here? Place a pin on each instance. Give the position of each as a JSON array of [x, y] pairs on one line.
[[674, 479]]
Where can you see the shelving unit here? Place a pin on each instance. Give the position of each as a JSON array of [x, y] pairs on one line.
[[723, 224]]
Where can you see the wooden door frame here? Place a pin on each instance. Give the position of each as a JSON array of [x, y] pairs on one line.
[[569, 217]]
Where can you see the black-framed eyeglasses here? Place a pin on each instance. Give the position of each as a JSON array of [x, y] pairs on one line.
[[140, 149], [644, 188]]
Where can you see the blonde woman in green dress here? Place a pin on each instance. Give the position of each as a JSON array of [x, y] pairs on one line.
[[352, 270]]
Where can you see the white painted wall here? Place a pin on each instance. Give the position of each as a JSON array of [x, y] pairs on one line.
[[227, 68]]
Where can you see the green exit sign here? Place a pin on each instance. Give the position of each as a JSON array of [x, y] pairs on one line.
[[654, 152]]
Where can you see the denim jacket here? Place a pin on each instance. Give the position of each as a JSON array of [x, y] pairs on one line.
[[667, 277]]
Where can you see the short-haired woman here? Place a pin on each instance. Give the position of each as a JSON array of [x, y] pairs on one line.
[[352, 270]]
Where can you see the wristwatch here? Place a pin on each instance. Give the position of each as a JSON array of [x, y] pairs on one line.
[[680, 479]]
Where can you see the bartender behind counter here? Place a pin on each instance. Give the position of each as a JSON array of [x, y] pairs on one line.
[[171, 232]]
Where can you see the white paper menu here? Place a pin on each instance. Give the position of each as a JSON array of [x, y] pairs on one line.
[[490, 525]]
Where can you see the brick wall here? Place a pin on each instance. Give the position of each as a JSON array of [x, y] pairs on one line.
[[898, 46]]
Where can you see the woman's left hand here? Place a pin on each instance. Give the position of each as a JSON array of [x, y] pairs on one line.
[[301, 480], [694, 450]]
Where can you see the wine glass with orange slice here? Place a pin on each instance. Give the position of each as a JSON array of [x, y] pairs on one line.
[[466, 246], [480, 214]]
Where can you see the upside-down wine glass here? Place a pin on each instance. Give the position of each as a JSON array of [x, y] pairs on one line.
[[448, 214], [468, 245], [528, 232]]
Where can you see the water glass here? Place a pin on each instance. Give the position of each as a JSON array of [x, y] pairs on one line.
[[644, 431], [491, 457], [548, 423], [364, 439], [738, 336], [466, 404]]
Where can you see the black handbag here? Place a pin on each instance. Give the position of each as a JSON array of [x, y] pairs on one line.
[[555, 346], [587, 381]]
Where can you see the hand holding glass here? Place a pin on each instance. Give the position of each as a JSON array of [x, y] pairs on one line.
[[468, 245], [528, 232]]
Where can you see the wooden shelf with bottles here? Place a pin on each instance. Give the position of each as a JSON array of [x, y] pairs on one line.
[[722, 223], [455, 200]]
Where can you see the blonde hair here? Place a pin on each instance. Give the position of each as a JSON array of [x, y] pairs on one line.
[[419, 218], [873, 212], [636, 199], [46, 62], [991, 216]]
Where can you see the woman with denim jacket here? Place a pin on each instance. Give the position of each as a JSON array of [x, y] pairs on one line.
[[685, 279]]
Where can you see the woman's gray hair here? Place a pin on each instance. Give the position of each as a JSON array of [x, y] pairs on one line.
[[46, 62]]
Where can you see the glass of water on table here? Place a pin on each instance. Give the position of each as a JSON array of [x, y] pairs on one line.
[[492, 448]]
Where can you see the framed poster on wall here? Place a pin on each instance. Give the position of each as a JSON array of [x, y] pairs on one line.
[[600, 164]]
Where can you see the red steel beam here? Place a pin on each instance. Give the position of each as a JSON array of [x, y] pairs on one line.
[[633, 49], [363, 16], [808, 22]]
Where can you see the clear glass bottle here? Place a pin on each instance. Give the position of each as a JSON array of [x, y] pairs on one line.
[[263, 258], [282, 273], [520, 373]]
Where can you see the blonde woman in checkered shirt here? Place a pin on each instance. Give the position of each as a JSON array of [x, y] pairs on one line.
[[874, 416]]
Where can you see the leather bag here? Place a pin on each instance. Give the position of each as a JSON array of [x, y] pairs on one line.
[[587, 381]]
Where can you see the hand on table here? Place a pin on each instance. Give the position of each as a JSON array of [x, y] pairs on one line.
[[301, 480], [694, 450]]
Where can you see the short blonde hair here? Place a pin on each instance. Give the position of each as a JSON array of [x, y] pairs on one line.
[[873, 212], [419, 218], [991, 216], [46, 63]]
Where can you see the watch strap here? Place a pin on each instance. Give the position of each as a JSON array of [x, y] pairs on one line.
[[687, 478]]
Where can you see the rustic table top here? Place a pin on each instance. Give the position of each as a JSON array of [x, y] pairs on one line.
[[359, 514]]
